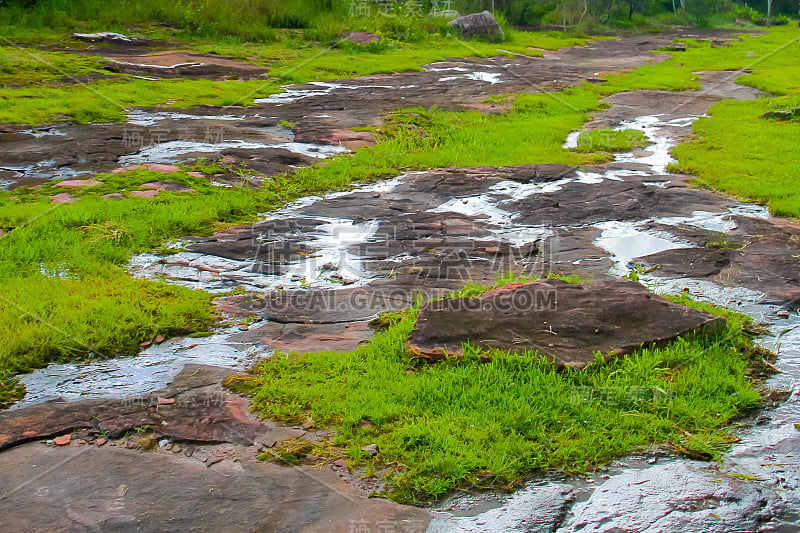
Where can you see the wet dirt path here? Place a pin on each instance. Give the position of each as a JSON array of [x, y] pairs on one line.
[[321, 268]]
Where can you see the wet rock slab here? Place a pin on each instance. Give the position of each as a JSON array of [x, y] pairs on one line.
[[201, 411], [675, 496], [761, 254], [90, 488], [565, 322], [322, 307], [206, 479], [305, 338]]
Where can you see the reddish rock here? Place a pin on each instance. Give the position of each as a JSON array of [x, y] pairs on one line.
[[564, 322], [145, 194], [350, 139], [91, 182], [162, 492], [167, 185], [63, 198], [203, 412], [212, 460], [304, 338], [101, 441], [371, 449], [157, 167], [63, 440], [196, 174], [360, 37], [279, 434], [114, 196], [165, 401], [181, 64]]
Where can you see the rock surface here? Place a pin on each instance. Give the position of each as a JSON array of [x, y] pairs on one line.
[[564, 322], [481, 24], [200, 411], [360, 37], [66, 489], [29, 160], [424, 233], [677, 499], [108, 37]]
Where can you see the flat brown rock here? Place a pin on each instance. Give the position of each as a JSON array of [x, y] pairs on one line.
[[157, 167], [321, 306], [82, 488], [304, 338], [91, 182], [63, 198], [177, 64], [166, 185], [567, 323], [360, 37], [145, 194], [200, 411]]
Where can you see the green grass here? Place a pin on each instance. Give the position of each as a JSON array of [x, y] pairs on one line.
[[108, 100], [733, 150], [89, 242], [737, 152], [290, 61], [220, 20], [66, 292], [466, 422], [609, 140], [29, 65], [66, 238], [766, 164]]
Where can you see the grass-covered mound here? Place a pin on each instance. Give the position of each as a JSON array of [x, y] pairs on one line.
[[468, 422], [609, 140]]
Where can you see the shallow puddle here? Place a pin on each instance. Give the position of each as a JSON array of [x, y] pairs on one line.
[[625, 242], [153, 368], [172, 151], [147, 118], [325, 87]]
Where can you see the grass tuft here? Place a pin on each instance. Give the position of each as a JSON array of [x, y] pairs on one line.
[[609, 140]]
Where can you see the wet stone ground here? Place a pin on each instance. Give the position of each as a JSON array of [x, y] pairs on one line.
[[319, 270]]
